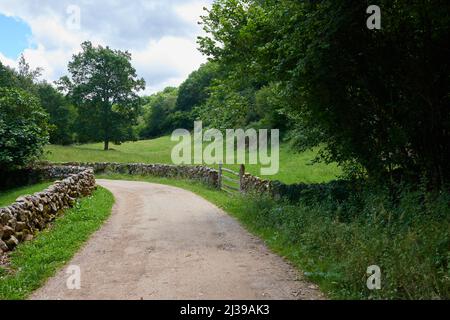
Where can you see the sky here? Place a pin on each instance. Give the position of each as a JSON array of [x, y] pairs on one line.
[[160, 34]]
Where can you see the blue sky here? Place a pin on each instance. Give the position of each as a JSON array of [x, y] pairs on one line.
[[15, 35], [161, 35]]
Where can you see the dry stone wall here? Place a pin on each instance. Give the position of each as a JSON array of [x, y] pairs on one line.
[[21, 220], [29, 214], [250, 183], [337, 189], [209, 176], [204, 174]]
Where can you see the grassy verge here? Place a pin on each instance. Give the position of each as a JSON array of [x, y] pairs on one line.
[[335, 241], [294, 167], [35, 261], [10, 196]]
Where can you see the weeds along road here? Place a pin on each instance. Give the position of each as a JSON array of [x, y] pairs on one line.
[[163, 242]]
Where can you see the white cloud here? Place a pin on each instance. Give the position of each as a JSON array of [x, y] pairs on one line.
[[161, 35], [7, 61], [169, 58], [191, 11]]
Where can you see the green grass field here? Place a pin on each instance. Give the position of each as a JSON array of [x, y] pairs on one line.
[[10, 196], [294, 167]]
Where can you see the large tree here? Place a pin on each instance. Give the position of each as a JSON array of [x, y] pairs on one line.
[[103, 85]]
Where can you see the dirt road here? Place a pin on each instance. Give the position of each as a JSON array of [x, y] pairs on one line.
[[163, 242]]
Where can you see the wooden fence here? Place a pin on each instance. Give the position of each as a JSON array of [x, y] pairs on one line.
[[230, 184]]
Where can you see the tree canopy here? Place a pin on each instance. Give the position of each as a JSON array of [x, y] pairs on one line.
[[375, 98], [103, 85], [160, 114], [194, 90], [62, 114]]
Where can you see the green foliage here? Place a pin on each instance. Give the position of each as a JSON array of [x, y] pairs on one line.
[[172, 108], [160, 115], [32, 263], [335, 241], [27, 77], [8, 77], [62, 114], [237, 103], [226, 108], [23, 128], [375, 98], [269, 108], [194, 91], [103, 85], [24, 78]]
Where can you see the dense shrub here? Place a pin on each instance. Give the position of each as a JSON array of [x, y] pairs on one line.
[[335, 241], [23, 128]]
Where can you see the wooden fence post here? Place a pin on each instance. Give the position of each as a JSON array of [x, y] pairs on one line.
[[219, 178], [241, 177]]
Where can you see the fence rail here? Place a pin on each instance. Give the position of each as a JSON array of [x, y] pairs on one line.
[[228, 184], [231, 180]]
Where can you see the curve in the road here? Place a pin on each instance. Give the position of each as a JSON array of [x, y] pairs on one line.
[[163, 242]]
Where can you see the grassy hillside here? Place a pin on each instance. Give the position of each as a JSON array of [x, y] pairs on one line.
[[294, 167]]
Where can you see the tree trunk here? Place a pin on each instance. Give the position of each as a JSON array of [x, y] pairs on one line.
[[106, 145]]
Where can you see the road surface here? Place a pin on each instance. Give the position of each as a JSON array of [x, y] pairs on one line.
[[163, 242]]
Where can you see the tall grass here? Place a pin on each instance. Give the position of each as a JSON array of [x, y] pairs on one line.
[[408, 239]]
